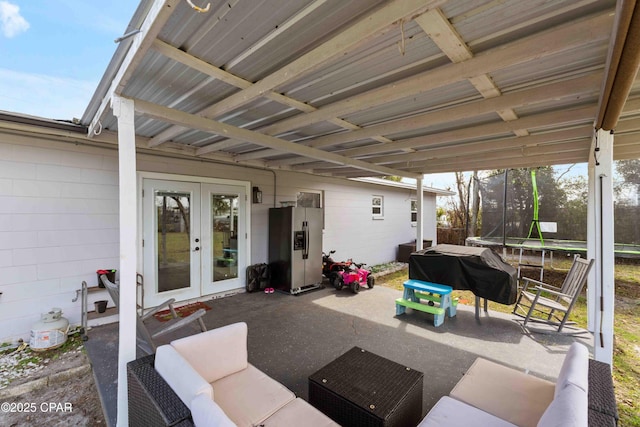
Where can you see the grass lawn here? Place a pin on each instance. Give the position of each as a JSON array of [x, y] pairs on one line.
[[626, 352]]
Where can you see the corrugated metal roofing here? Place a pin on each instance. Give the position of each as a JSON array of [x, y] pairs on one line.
[[380, 72]]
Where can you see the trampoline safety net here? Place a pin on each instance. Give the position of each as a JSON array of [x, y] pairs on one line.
[[549, 207]]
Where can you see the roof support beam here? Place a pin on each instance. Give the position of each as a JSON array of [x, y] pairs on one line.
[[443, 34], [512, 152], [472, 149], [622, 64], [485, 150], [570, 88], [555, 118], [233, 80], [157, 17], [516, 160], [339, 45], [193, 121], [573, 35]]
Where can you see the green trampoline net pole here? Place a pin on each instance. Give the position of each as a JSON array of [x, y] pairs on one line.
[[535, 219]]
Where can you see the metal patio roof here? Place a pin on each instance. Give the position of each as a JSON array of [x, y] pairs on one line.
[[372, 87]]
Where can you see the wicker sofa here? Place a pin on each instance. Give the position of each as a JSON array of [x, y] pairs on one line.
[[494, 395], [211, 375], [500, 390]]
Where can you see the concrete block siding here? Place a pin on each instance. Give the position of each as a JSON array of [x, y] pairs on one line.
[[58, 225], [59, 220]]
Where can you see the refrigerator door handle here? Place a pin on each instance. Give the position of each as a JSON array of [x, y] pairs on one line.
[[305, 229]]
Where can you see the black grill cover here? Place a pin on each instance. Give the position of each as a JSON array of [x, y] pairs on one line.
[[479, 270]]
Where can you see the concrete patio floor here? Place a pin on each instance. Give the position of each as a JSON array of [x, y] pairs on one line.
[[291, 337]]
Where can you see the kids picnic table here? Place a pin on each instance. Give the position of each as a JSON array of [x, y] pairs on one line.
[[438, 299]]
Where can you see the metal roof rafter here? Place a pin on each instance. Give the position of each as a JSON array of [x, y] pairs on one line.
[[534, 47], [193, 121], [366, 28]]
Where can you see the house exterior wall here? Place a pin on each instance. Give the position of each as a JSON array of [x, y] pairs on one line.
[[59, 220], [58, 225]]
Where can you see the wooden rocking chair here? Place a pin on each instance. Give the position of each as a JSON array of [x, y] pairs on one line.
[[554, 308], [145, 338]]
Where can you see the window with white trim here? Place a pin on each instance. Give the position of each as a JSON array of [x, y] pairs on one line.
[[309, 199], [377, 207], [414, 211]]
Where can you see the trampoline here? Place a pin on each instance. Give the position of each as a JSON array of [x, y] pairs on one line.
[[535, 203], [552, 245]]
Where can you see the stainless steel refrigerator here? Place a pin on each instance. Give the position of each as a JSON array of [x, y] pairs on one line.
[[295, 248]]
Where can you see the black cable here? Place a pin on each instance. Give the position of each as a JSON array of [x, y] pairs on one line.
[[601, 269]]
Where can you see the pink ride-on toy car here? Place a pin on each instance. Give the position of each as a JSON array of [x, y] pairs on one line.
[[353, 277]]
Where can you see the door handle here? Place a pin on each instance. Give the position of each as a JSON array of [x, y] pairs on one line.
[[305, 229]]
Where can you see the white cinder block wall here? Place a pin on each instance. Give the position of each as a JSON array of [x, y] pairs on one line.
[[58, 225], [59, 220]]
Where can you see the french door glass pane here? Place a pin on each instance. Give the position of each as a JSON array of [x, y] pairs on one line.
[[224, 212], [173, 248]]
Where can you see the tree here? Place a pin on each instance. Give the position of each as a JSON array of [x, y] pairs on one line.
[[629, 171], [474, 214], [572, 220], [627, 206], [552, 199], [464, 212]]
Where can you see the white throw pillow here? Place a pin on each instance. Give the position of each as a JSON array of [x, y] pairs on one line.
[[207, 413]]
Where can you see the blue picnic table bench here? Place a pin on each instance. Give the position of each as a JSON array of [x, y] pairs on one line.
[[434, 293]]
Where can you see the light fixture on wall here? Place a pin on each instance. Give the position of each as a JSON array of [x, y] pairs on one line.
[[257, 195]]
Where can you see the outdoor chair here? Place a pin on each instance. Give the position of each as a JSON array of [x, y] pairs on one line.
[[551, 304], [145, 337]]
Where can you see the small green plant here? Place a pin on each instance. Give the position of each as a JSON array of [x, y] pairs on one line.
[[6, 347], [29, 361]]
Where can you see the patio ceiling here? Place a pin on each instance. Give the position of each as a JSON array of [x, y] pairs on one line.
[[371, 87]]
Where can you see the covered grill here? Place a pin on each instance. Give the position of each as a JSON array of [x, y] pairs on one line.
[[479, 270]]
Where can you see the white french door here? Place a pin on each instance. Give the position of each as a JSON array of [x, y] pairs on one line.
[[194, 239], [224, 237]]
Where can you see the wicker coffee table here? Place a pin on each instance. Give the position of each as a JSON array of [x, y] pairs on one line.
[[360, 388]]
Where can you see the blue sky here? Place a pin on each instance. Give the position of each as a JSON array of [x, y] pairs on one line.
[[54, 52]]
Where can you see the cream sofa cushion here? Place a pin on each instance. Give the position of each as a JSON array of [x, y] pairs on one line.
[[508, 394], [206, 413], [217, 353], [181, 377], [449, 412], [298, 413], [250, 396]]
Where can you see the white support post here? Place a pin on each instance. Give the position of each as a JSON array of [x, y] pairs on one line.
[[123, 109], [592, 283], [419, 216], [600, 245]]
